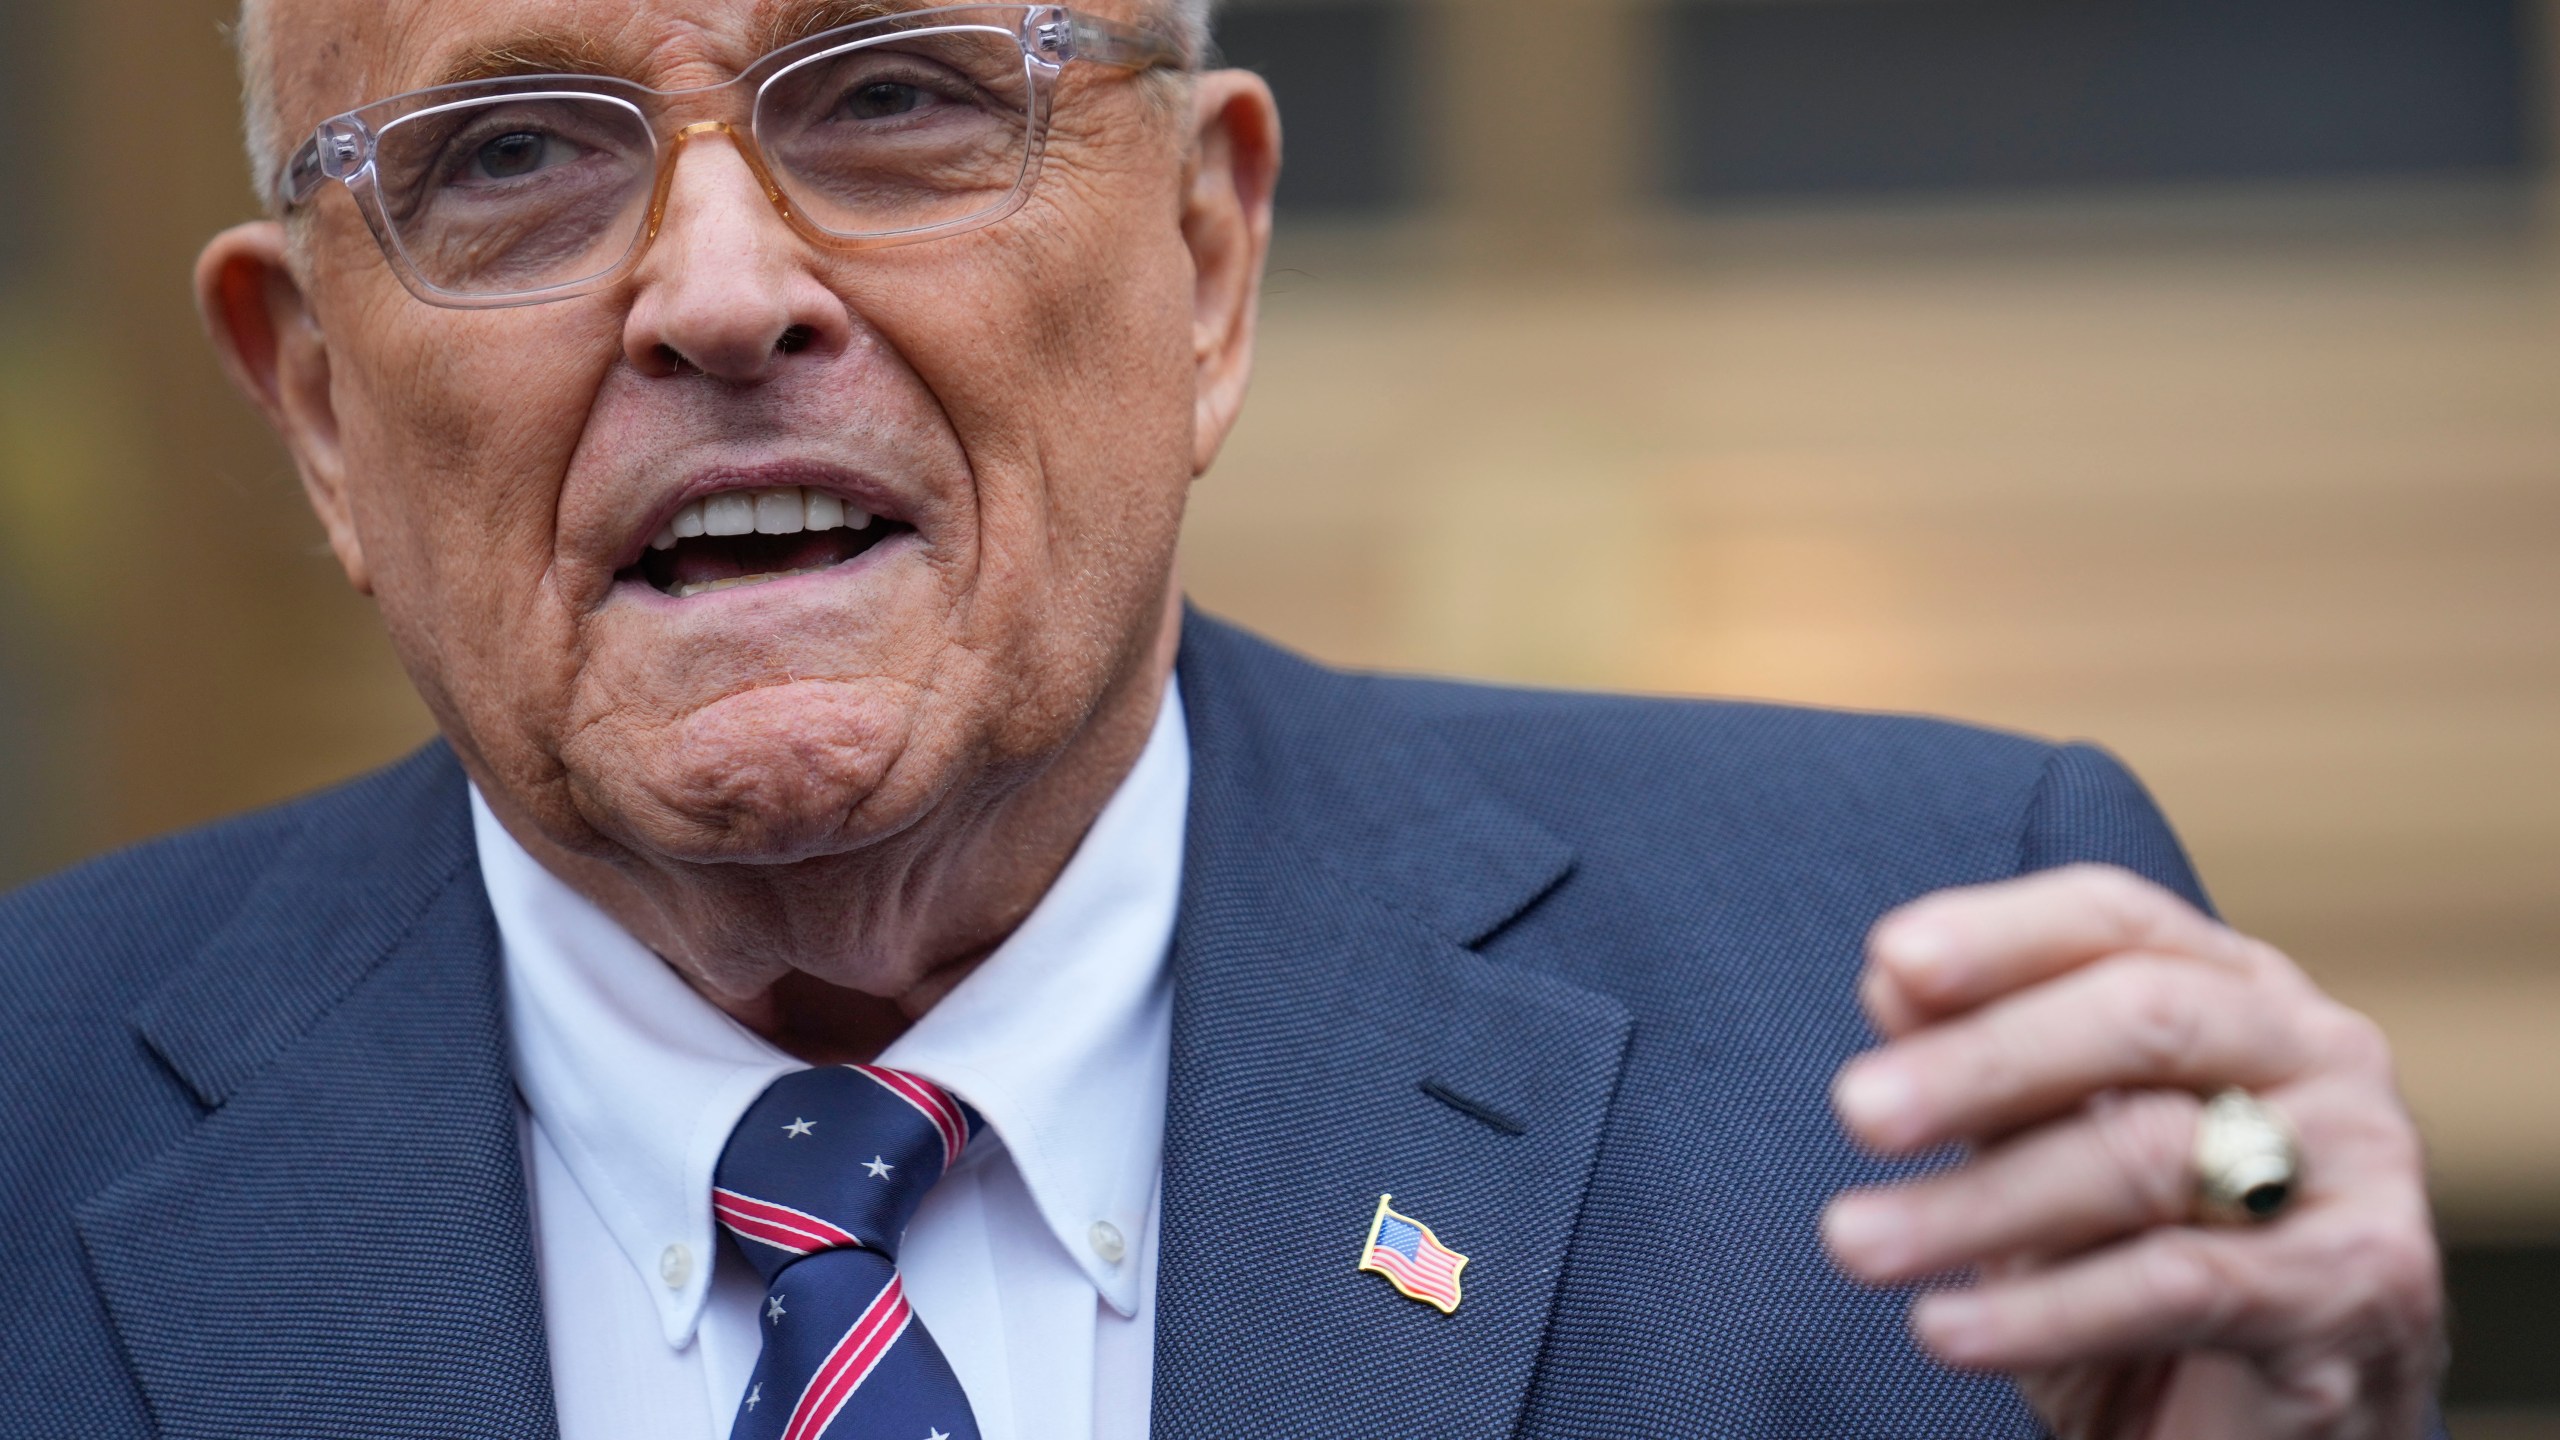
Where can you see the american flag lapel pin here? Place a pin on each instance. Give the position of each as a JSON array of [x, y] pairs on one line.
[[1412, 1258]]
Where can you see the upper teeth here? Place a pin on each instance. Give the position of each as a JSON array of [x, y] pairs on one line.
[[786, 511]]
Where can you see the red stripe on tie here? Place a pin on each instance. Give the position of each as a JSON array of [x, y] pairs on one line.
[[933, 1102], [779, 1226], [850, 1363]]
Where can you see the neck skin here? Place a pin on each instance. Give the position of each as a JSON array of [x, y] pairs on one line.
[[846, 951]]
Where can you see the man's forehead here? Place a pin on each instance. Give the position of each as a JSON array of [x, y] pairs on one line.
[[654, 41], [336, 54], [325, 56]]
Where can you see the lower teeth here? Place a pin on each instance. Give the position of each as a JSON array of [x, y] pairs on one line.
[[705, 587]]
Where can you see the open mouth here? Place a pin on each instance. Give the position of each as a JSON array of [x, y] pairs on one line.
[[747, 537]]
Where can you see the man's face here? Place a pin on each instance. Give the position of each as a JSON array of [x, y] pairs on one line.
[[1015, 405]]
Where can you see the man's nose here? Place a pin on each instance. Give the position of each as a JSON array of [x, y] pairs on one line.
[[726, 287]]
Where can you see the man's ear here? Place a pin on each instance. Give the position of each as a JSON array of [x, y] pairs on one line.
[[261, 323], [1226, 220]]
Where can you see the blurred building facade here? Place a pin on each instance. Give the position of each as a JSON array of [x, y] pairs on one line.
[[2182, 373]]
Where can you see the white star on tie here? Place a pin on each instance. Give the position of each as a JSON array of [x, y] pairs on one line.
[[773, 1310], [755, 1394], [798, 1127], [937, 1435], [879, 1168]]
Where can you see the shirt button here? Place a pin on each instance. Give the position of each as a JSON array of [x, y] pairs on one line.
[[1106, 1241], [675, 1266]]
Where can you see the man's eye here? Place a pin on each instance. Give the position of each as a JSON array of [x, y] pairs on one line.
[[513, 155], [882, 99]]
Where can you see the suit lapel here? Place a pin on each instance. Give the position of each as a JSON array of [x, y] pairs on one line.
[[341, 1246], [1335, 1039]]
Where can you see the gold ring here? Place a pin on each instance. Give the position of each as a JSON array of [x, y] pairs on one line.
[[2248, 1162]]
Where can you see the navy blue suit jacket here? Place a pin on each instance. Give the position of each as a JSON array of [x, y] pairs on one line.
[[1567, 975]]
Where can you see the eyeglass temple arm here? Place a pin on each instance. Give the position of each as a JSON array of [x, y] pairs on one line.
[[1124, 46], [300, 176]]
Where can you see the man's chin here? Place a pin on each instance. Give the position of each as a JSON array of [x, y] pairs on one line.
[[770, 776]]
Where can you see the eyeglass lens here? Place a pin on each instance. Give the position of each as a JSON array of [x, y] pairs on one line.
[[511, 194]]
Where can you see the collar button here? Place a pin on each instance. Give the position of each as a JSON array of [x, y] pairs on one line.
[[1106, 1241]]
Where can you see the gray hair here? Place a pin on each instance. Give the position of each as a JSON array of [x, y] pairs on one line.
[[1188, 19]]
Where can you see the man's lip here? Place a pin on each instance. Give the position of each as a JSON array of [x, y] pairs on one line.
[[850, 486], [629, 589]]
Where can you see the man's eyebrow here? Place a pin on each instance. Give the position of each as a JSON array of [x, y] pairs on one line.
[[780, 22], [530, 54]]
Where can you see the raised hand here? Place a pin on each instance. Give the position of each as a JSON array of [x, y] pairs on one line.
[[2063, 1027]]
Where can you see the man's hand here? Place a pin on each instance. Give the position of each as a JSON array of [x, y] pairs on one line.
[[2062, 1027]]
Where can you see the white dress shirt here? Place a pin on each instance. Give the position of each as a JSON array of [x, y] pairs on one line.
[[1032, 1263]]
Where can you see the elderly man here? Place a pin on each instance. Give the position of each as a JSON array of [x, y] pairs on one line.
[[863, 961]]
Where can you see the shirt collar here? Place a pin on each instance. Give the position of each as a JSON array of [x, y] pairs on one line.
[[1061, 1038]]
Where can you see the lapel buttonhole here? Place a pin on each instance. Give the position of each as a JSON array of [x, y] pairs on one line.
[[1475, 1110]]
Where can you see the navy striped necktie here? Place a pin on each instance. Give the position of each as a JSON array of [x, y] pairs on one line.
[[818, 1183]]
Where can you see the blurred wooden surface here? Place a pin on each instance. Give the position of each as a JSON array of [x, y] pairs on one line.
[[205, 652], [2262, 490]]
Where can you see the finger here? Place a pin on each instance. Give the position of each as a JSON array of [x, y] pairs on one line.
[[2172, 1289], [2128, 1022], [1949, 952], [2120, 1165], [2299, 1288], [2123, 1162]]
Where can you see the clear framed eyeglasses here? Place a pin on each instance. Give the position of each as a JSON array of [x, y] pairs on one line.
[[530, 188]]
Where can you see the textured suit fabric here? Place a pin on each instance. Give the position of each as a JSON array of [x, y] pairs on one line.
[[1647, 911], [263, 1142], [1568, 975]]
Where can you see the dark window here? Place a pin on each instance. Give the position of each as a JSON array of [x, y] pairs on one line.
[[1840, 95], [1345, 74]]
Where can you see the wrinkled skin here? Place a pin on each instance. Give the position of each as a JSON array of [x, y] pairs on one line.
[[824, 798], [2063, 1026]]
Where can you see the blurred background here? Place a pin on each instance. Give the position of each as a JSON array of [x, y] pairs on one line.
[[2179, 373]]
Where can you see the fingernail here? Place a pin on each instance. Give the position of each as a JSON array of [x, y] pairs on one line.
[[1867, 1233], [1877, 1099], [1952, 1326], [1920, 949]]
